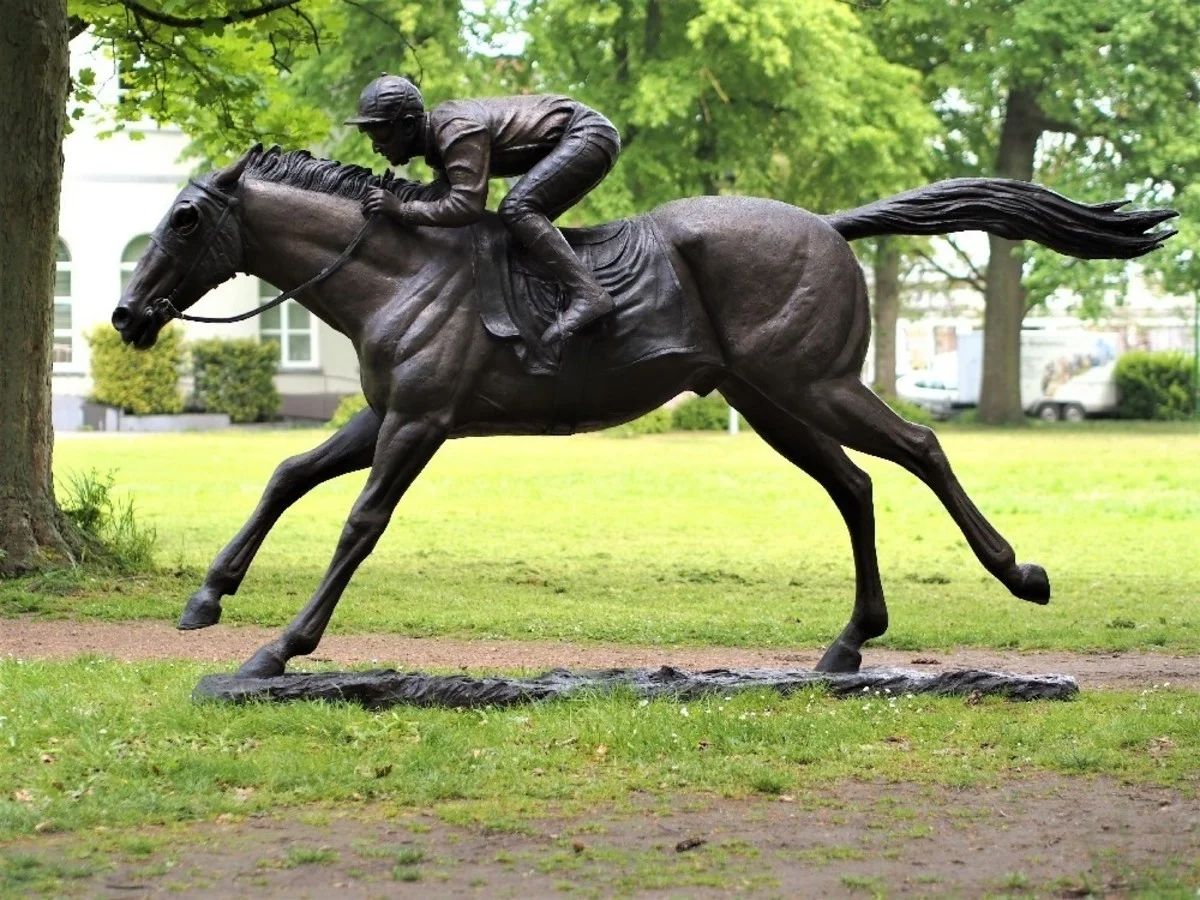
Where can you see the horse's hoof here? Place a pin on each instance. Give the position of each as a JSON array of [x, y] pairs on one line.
[[840, 658], [1031, 583], [265, 663], [203, 609]]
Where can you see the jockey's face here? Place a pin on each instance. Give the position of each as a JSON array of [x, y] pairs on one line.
[[391, 140]]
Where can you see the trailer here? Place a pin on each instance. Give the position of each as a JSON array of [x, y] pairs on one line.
[[1065, 374]]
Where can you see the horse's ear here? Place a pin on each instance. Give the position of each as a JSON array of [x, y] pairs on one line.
[[226, 179]]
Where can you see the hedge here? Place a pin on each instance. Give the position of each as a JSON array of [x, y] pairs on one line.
[[657, 421], [709, 413], [236, 376], [141, 382], [1155, 385], [349, 407]]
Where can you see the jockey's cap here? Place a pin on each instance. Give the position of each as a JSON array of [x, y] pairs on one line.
[[386, 99]]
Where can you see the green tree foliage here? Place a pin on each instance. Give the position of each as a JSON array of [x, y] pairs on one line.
[[142, 382], [218, 70], [1154, 386], [236, 376], [1097, 98], [424, 41], [1177, 267], [783, 98]]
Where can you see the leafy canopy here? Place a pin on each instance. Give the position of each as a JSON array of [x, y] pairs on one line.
[[784, 98], [1115, 90]]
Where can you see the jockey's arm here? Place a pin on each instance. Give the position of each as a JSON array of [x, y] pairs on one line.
[[465, 163]]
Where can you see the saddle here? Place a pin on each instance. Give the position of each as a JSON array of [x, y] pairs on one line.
[[519, 299]]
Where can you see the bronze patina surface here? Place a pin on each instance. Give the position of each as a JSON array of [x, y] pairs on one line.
[[773, 295]]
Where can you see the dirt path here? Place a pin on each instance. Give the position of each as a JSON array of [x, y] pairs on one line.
[[1030, 834], [44, 639], [1039, 836]]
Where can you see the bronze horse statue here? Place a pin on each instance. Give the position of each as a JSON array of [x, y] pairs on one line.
[[772, 295]]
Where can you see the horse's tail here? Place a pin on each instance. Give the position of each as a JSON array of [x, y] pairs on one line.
[[1016, 210]]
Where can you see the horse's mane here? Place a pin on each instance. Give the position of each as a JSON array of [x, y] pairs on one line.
[[301, 169]]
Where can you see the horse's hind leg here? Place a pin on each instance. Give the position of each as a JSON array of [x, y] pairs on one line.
[[846, 410], [348, 450], [850, 489]]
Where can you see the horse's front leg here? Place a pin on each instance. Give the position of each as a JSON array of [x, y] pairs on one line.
[[401, 452], [348, 450]]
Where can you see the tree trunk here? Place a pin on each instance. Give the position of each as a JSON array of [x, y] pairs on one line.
[[887, 312], [1000, 391], [34, 75]]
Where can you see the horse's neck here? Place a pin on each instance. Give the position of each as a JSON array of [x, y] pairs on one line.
[[290, 235]]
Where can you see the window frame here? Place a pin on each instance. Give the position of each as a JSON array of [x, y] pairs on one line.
[[63, 263], [128, 265], [283, 334]]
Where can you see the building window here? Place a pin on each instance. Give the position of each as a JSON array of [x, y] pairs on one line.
[[64, 338], [129, 257], [290, 327]]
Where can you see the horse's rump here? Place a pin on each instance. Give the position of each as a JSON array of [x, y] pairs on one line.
[[518, 298]]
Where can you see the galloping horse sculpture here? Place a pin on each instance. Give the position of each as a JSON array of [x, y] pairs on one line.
[[772, 296]]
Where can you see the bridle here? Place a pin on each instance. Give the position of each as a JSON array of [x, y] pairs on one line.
[[165, 306]]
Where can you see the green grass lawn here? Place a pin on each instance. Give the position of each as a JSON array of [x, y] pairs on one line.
[[97, 742], [674, 539], [677, 539]]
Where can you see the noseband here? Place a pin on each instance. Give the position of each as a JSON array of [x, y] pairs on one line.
[[165, 306]]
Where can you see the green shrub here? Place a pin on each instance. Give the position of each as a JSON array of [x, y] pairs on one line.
[[236, 376], [110, 531], [657, 421], [350, 406], [710, 413], [1155, 386], [918, 415], [142, 382]]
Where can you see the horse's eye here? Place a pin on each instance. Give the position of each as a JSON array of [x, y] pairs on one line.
[[184, 219]]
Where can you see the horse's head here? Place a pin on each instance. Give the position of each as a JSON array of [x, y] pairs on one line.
[[196, 246]]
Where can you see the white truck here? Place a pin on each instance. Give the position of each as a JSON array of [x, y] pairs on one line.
[[1065, 374]]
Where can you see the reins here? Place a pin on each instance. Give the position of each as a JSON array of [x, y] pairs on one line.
[[166, 305]]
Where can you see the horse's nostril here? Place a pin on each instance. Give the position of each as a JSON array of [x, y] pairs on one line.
[[121, 318]]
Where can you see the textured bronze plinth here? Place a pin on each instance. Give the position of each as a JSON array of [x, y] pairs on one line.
[[386, 687]]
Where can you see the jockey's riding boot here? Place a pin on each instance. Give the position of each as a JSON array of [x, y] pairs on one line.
[[587, 301], [583, 311]]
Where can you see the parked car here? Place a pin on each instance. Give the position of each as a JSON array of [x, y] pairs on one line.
[[928, 390]]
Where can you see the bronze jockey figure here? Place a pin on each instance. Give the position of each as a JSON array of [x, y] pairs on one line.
[[562, 149]]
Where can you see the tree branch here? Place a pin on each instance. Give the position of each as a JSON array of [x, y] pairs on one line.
[[316, 35], [276, 59], [948, 275], [196, 22], [408, 45], [965, 259]]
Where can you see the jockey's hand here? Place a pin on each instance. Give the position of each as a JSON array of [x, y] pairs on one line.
[[379, 200]]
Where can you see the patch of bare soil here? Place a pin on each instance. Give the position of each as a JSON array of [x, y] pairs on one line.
[[48, 639], [1044, 836]]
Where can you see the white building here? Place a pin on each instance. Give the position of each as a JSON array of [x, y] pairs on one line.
[[115, 190]]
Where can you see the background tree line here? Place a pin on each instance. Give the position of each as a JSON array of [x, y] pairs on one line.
[[821, 103]]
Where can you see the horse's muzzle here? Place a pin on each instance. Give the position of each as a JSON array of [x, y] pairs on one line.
[[139, 330]]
